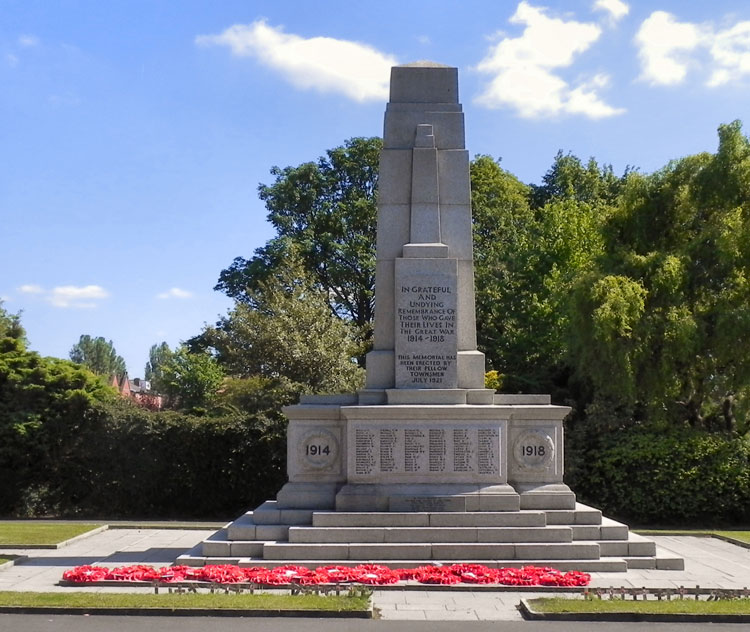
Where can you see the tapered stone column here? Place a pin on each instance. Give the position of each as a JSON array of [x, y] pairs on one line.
[[425, 348]]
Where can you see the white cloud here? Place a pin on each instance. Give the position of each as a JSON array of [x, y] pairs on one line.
[[175, 292], [28, 41], [730, 50], [521, 68], [73, 296], [663, 43], [424, 40], [11, 60], [355, 70], [669, 50], [68, 295], [31, 289], [617, 9]]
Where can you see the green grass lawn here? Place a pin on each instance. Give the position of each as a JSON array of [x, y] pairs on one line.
[[26, 533], [244, 601], [678, 606], [3, 560], [743, 536]]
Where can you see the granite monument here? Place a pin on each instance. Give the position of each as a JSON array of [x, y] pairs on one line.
[[425, 463]]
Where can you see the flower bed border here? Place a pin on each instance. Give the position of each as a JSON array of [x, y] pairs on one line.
[[473, 576]]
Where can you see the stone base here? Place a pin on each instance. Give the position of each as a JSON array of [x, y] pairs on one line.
[[568, 539], [427, 497], [427, 476], [546, 496], [308, 495]]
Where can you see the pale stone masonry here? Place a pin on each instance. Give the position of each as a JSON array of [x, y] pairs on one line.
[[425, 464], [425, 331]]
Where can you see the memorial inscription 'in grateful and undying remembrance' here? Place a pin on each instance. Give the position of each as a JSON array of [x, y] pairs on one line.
[[426, 332], [447, 452]]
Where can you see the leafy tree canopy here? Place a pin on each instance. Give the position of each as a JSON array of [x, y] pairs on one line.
[[191, 379], [526, 260], [10, 325], [287, 331], [99, 355], [661, 323], [159, 356], [325, 212]]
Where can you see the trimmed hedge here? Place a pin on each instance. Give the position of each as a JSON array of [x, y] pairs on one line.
[[123, 461], [658, 476]]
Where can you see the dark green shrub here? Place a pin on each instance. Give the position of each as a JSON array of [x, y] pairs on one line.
[[70, 447], [133, 463], [661, 476]]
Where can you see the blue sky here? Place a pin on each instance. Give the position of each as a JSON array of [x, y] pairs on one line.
[[134, 134]]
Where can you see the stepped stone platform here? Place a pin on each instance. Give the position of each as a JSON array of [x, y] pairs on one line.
[[572, 539]]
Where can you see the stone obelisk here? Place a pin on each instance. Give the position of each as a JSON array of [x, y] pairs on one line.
[[424, 432], [425, 348]]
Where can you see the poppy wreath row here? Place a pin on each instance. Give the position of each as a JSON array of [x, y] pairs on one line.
[[374, 574]]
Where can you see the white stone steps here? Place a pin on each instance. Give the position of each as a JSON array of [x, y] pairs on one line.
[[607, 530], [541, 537], [437, 551], [429, 534], [634, 546], [435, 519], [609, 564], [270, 513], [581, 515], [666, 561]]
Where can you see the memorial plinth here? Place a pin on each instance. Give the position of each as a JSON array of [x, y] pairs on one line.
[[425, 463]]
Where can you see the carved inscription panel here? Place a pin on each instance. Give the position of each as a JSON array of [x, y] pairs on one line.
[[425, 331], [409, 452]]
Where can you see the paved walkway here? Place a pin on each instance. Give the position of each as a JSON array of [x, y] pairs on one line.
[[709, 562]]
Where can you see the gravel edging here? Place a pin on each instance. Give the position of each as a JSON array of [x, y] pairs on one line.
[[529, 614]]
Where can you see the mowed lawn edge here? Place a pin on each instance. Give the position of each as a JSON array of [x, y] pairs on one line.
[[557, 605], [42, 533], [243, 601]]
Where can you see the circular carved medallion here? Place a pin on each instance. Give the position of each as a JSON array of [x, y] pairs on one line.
[[534, 449], [319, 449]]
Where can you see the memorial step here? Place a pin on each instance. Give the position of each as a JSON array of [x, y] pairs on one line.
[[607, 530], [604, 565], [634, 546], [270, 513], [430, 534], [441, 552], [581, 515], [424, 519]]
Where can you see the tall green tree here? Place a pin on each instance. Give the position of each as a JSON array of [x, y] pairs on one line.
[[159, 356], [527, 260], [10, 325], [191, 380], [287, 331], [43, 404], [99, 355], [569, 179], [661, 324], [325, 212]]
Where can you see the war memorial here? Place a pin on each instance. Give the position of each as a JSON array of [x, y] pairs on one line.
[[425, 465]]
